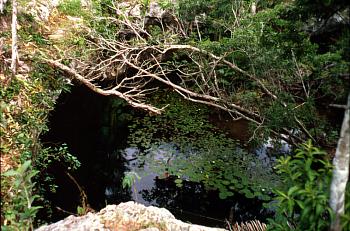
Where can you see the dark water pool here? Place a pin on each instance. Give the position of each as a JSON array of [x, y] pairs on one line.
[[95, 133]]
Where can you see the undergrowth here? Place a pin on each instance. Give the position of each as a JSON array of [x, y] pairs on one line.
[[25, 102], [302, 202]]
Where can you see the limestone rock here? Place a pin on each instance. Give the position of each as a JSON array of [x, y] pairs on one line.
[[40, 9], [126, 216]]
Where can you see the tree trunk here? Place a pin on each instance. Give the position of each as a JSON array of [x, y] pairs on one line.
[[14, 59], [2, 5], [340, 171]]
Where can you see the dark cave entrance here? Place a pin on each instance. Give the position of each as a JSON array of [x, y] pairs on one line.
[[86, 122]]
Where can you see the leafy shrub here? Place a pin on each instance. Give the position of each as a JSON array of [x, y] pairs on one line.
[[70, 7], [302, 204], [45, 161], [25, 104], [20, 213]]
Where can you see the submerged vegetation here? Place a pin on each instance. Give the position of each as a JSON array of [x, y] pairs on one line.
[[281, 66]]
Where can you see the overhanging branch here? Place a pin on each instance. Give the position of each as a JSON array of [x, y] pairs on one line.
[[98, 90]]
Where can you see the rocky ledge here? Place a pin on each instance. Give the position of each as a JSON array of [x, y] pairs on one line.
[[124, 217]]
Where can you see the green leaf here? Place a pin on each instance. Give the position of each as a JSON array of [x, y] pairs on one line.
[[10, 173], [223, 195], [300, 204], [292, 190]]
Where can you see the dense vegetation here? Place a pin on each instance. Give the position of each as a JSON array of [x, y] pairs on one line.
[[280, 65]]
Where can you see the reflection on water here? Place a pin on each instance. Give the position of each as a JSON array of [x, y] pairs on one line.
[[267, 152], [83, 120], [191, 202]]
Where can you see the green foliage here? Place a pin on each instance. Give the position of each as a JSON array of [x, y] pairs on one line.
[[97, 18], [145, 4], [45, 161], [182, 121], [168, 5], [20, 213], [272, 45], [25, 104], [29, 30], [70, 7], [302, 204], [129, 179], [53, 156], [178, 182], [7, 8], [280, 116], [104, 27], [345, 218], [103, 7], [39, 91], [188, 9], [81, 211], [216, 17], [222, 166], [342, 44]]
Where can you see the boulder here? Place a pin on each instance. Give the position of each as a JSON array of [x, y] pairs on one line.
[[124, 217]]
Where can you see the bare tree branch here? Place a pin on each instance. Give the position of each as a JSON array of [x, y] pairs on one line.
[[133, 68], [81, 79]]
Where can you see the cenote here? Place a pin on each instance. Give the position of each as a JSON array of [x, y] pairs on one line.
[[96, 130]]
